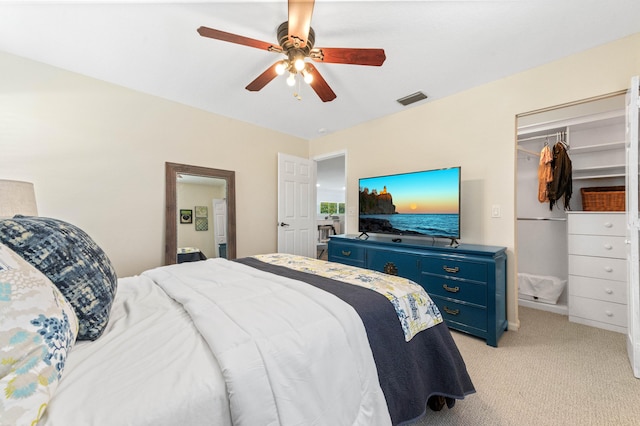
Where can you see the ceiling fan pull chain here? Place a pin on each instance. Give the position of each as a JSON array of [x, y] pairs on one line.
[[297, 94]]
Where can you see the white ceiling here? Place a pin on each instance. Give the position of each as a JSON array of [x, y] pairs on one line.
[[437, 47]]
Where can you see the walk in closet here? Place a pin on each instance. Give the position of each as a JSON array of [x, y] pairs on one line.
[[562, 251]]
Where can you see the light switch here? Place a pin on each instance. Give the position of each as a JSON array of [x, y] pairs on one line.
[[495, 211]]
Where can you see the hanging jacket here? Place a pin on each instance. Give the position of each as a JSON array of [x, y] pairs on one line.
[[561, 185], [545, 173]]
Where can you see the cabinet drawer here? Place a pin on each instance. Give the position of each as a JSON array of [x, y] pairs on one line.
[[347, 254], [455, 312], [597, 310], [393, 263], [597, 224], [598, 245], [596, 288], [455, 268], [598, 267], [455, 289]]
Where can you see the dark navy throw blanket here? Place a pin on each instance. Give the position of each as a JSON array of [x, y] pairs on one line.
[[409, 372]]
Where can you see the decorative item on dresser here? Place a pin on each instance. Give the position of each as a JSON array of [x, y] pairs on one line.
[[598, 269], [467, 282]]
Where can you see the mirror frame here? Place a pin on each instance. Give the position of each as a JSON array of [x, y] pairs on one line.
[[171, 206]]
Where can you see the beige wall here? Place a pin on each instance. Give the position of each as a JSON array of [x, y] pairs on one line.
[[96, 154], [188, 196], [475, 129]]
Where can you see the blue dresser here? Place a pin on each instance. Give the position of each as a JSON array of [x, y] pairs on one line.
[[467, 282]]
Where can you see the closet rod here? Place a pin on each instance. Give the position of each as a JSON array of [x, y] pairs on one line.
[[540, 137], [528, 151], [558, 219]]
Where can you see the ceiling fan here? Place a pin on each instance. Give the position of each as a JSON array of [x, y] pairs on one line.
[[296, 41]]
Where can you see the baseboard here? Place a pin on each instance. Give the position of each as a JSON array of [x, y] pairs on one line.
[[556, 309]]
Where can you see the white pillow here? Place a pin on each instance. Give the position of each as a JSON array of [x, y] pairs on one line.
[[38, 328]]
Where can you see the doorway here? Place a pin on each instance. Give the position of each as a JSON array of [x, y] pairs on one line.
[[593, 132]]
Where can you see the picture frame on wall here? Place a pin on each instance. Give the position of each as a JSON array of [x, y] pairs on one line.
[[186, 216], [202, 211], [202, 224]]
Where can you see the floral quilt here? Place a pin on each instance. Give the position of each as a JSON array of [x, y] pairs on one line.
[[415, 309]]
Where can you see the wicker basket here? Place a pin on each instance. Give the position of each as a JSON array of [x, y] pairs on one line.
[[603, 199]]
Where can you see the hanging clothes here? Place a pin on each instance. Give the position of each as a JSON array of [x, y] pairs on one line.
[[561, 186], [545, 173]]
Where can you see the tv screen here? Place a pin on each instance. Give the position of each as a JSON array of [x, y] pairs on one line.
[[425, 203]]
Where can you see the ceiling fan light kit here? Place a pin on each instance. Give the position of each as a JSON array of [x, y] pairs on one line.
[[296, 40]]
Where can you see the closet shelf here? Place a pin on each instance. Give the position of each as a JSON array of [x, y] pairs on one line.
[[552, 219], [599, 147], [554, 124], [599, 172], [612, 175], [599, 168]]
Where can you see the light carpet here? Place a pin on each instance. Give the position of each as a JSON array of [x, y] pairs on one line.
[[550, 372]]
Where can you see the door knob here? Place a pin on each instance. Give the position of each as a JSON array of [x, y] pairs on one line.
[[284, 224]]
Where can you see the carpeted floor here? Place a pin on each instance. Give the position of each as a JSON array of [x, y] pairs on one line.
[[550, 372]]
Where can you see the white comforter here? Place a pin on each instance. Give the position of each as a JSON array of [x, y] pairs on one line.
[[254, 349], [290, 354]]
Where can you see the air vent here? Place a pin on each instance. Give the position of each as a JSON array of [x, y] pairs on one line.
[[412, 98]]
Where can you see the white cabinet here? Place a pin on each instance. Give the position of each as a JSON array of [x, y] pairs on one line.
[[597, 269]]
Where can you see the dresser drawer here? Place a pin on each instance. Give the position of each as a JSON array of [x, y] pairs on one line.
[[393, 263], [598, 267], [596, 288], [462, 313], [455, 268], [455, 289], [598, 245], [597, 224], [597, 310], [346, 253]]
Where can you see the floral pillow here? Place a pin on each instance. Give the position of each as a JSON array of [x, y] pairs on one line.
[[38, 328]]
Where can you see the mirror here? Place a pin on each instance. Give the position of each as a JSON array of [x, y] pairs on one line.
[[174, 171]]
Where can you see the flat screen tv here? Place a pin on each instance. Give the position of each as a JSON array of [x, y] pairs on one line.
[[424, 203]]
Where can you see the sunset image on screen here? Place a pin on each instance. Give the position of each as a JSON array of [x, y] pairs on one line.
[[434, 193]]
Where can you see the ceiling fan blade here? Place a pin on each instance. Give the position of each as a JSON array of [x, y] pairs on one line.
[[300, 12], [264, 78], [319, 85], [345, 55], [234, 38]]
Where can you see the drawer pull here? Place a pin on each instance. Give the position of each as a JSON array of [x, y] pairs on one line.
[[451, 270], [608, 291], [608, 246], [608, 224], [608, 313], [608, 268], [451, 289], [451, 311], [346, 253]]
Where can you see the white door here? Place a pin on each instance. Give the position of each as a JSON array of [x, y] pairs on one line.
[[297, 232], [219, 223], [633, 227]]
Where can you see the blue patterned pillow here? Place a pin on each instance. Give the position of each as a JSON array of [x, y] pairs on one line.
[[72, 261]]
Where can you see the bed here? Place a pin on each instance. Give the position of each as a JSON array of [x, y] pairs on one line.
[[264, 340]]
